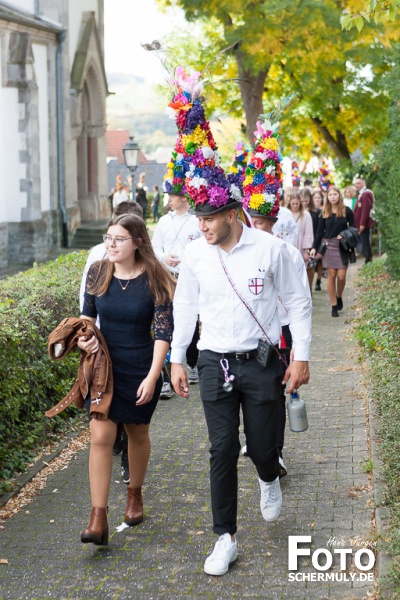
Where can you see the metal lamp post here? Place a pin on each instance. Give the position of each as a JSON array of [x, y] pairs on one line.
[[131, 152]]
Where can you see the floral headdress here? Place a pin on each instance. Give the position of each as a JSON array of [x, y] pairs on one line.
[[195, 169], [262, 187], [296, 177], [326, 178]]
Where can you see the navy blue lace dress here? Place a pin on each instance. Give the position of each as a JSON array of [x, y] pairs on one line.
[[126, 318]]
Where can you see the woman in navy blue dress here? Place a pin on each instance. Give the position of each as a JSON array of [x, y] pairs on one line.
[[131, 292]]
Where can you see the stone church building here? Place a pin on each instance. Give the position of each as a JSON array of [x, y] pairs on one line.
[[53, 90]]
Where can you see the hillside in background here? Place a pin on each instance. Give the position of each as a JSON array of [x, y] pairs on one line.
[[135, 105]]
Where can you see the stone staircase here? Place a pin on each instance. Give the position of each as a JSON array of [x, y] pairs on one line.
[[89, 234]]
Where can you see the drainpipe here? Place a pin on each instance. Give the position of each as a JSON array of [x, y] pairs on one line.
[[37, 8], [60, 136]]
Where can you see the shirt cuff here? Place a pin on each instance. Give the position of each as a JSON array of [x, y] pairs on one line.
[[300, 353], [177, 356]]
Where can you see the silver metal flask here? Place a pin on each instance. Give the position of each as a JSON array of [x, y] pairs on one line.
[[297, 413]]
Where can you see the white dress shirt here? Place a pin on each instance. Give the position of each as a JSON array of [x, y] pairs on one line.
[[285, 228], [260, 267], [98, 252], [172, 234], [299, 263]]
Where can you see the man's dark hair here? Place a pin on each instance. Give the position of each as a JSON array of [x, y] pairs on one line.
[[128, 207]]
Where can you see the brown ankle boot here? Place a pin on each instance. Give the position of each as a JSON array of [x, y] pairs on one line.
[[134, 506], [97, 532]]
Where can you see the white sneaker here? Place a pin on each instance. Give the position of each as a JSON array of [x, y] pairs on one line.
[[282, 468], [166, 391], [193, 375], [224, 553], [244, 450], [271, 499]]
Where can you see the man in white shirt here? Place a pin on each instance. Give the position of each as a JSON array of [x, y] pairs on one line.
[[266, 223], [172, 234], [231, 377]]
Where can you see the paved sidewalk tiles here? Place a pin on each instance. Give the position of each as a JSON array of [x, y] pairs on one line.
[[326, 494]]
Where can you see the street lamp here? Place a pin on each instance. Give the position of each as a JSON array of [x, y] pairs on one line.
[[131, 152]]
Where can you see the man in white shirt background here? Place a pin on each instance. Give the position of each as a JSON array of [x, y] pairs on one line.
[[266, 222], [171, 235]]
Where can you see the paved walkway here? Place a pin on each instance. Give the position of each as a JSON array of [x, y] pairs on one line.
[[326, 495]]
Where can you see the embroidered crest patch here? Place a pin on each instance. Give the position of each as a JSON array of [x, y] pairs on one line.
[[256, 285]]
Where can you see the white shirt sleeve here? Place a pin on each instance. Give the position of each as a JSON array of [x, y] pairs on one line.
[[296, 302], [157, 240], [97, 253], [186, 310]]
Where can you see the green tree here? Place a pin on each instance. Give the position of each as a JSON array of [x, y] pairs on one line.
[[298, 46]]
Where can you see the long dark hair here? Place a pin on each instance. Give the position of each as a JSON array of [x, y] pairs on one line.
[[160, 281]]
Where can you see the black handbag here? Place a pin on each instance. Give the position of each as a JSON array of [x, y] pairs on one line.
[[322, 248]]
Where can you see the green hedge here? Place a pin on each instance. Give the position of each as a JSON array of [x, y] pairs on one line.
[[378, 333], [387, 186], [32, 303]]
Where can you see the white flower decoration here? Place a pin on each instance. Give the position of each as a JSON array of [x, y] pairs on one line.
[[235, 192], [197, 182]]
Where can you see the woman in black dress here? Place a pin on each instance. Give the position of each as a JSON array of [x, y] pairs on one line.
[[335, 218], [131, 292]]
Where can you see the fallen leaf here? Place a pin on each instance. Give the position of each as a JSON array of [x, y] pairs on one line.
[[3, 561]]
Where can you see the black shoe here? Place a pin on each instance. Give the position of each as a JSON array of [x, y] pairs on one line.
[[125, 468], [318, 285], [335, 311], [125, 475], [339, 303]]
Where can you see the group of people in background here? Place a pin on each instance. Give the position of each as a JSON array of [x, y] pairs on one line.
[[321, 218]]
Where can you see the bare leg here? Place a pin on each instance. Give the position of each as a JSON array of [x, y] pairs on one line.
[[332, 286], [341, 282], [139, 447], [100, 460]]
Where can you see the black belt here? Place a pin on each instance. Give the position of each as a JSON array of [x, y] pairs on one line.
[[236, 355]]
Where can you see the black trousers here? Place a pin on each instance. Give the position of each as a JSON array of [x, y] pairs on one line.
[[192, 353], [256, 390], [365, 237], [280, 433]]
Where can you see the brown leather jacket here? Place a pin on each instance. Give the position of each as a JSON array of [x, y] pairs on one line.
[[95, 375]]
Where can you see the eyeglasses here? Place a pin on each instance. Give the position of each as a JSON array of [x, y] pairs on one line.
[[117, 241]]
